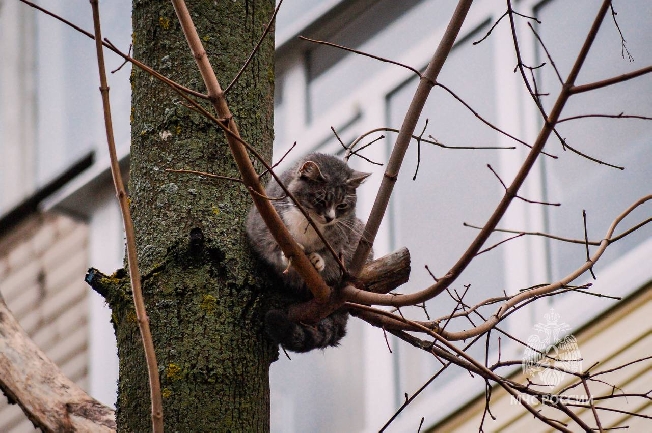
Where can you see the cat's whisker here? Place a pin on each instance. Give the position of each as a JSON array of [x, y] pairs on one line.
[[349, 226]]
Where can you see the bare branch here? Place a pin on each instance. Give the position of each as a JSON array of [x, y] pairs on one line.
[[586, 243], [609, 81], [590, 158], [267, 170], [352, 153], [426, 83], [499, 243], [595, 414], [605, 116], [499, 20], [432, 141], [486, 122], [106, 43], [467, 361], [419, 138], [49, 399], [552, 62], [549, 288], [491, 29], [132, 257], [518, 196], [545, 235]]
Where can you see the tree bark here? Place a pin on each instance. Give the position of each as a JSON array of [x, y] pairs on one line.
[[200, 283]]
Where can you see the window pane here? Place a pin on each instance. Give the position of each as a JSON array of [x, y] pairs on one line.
[[574, 181]]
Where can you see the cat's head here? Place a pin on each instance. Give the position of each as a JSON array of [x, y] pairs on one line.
[[326, 187]]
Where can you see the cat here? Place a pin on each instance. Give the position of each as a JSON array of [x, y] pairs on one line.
[[325, 186]]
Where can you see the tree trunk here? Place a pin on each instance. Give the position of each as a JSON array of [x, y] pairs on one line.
[[199, 277]]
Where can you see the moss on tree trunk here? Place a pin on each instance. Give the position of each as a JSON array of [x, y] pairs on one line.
[[199, 277]]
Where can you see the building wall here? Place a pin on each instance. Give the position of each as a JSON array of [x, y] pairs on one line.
[[42, 267]]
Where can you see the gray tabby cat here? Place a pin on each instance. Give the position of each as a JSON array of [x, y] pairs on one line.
[[326, 188]]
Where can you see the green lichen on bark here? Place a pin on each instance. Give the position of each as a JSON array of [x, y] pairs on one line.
[[203, 300]]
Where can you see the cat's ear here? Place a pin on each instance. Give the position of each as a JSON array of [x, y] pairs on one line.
[[310, 170], [357, 177]]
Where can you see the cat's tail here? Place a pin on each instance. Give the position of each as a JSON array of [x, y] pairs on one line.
[[299, 337]]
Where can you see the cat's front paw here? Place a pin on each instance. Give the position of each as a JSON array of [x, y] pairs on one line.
[[317, 261]]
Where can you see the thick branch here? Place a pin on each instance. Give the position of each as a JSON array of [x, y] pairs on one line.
[[49, 399], [427, 81], [387, 273]]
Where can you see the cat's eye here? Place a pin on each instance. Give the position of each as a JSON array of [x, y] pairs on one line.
[[342, 206]]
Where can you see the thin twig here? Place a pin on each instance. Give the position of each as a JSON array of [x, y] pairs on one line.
[[545, 235], [347, 148], [586, 243], [362, 53], [356, 152], [432, 141], [518, 196], [595, 414], [486, 122], [267, 170], [491, 29], [467, 361], [623, 45], [499, 243], [584, 155], [552, 62], [605, 116], [419, 138]]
